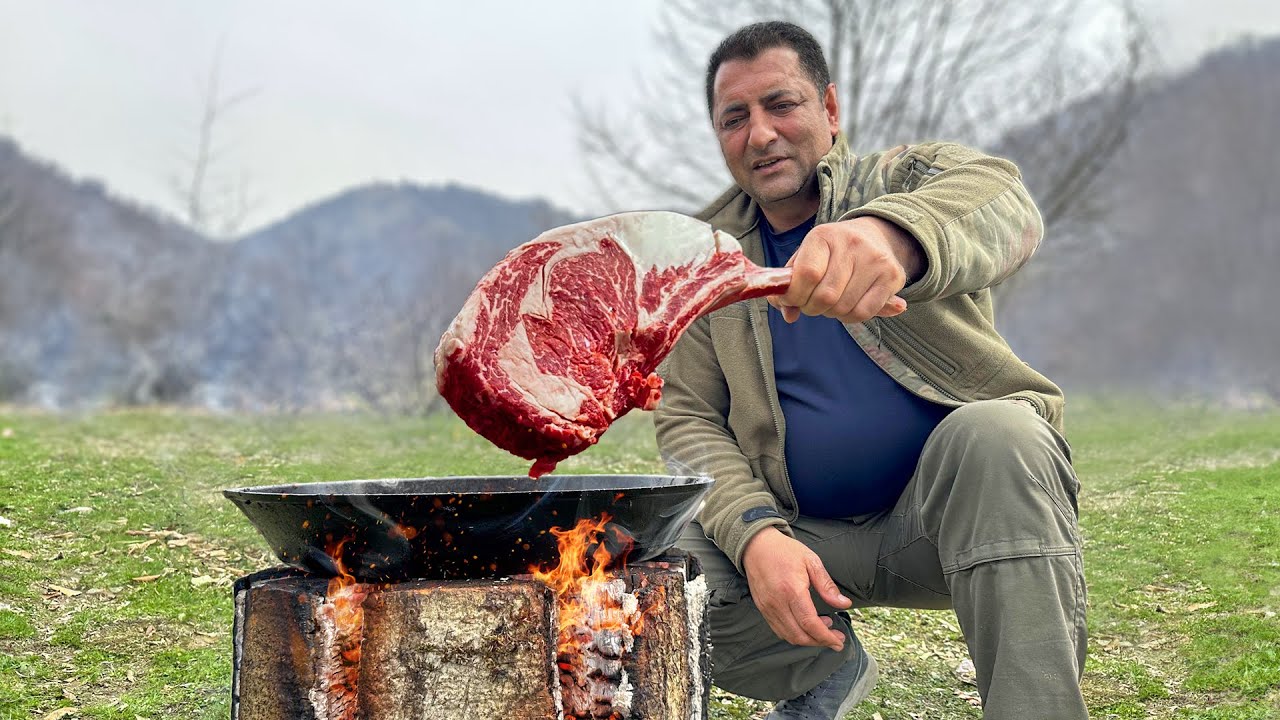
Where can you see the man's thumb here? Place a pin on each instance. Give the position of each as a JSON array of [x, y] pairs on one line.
[[826, 587], [895, 306]]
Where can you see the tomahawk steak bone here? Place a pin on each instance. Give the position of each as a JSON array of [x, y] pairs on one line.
[[563, 335]]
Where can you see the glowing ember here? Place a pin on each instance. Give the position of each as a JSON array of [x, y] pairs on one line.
[[598, 620], [345, 608]]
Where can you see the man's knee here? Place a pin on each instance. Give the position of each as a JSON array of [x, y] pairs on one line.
[[996, 426], [1006, 440], [1001, 484]]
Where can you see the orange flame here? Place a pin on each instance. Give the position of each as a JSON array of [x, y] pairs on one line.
[[347, 601], [580, 575], [590, 603]]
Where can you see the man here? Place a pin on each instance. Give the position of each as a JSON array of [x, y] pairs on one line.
[[873, 439]]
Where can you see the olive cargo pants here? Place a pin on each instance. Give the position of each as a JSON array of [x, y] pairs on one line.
[[987, 526]]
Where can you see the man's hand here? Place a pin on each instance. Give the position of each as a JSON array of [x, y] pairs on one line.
[[851, 271], [780, 571]]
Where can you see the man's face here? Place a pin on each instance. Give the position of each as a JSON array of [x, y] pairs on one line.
[[773, 127]]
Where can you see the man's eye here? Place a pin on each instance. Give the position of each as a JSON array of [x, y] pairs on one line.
[[783, 107], [731, 123]]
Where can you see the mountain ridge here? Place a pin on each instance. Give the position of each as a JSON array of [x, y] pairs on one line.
[[103, 300]]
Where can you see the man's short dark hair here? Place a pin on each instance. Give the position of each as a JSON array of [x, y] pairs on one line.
[[748, 42]]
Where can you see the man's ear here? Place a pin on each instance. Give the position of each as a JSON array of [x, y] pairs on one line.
[[832, 107]]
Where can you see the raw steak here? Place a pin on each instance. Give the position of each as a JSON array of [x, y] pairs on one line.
[[563, 335]]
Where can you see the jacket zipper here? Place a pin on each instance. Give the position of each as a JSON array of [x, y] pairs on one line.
[[916, 370], [1034, 405], [946, 365], [922, 171], [773, 410]]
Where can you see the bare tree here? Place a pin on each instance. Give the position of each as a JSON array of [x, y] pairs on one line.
[[213, 201], [972, 71]]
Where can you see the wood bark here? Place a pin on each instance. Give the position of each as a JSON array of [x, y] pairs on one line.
[[447, 649]]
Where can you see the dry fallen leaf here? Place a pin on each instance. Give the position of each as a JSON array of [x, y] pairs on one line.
[[65, 591], [965, 672], [7, 432], [5, 522], [202, 580], [135, 548], [1196, 607], [19, 553], [61, 713], [201, 641], [81, 509], [147, 578]]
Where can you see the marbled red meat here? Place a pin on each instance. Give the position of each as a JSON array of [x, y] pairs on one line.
[[563, 335]]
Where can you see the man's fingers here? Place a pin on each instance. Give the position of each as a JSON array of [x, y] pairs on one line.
[[876, 297], [784, 625], [895, 306], [878, 301], [837, 277], [820, 580], [816, 633], [808, 267]]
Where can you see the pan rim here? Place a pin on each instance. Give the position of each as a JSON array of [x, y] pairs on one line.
[[521, 484]]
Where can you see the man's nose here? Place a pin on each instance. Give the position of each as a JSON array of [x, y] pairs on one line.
[[762, 131]]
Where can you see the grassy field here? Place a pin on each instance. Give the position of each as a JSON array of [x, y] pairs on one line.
[[117, 554]]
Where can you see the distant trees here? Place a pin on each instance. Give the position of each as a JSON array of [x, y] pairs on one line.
[[20, 221], [1175, 291], [904, 71], [13, 238], [29, 230], [213, 201]]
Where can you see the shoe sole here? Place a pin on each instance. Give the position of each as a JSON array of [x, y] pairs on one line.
[[861, 689]]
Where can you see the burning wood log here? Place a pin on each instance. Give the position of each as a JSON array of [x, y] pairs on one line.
[[308, 647]]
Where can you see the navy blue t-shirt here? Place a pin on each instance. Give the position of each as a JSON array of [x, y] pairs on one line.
[[854, 434]]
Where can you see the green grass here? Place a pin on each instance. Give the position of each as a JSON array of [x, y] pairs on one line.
[[116, 563]]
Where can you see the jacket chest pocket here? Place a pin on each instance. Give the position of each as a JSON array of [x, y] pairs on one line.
[[964, 366], [921, 354]]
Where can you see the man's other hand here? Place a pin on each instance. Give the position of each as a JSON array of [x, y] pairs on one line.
[[780, 571], [851, 271]]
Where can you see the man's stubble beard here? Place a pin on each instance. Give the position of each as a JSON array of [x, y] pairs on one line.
[[763, 197]]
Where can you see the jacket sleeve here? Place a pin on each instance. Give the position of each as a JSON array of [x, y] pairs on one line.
[[970, 213], [694, 438]]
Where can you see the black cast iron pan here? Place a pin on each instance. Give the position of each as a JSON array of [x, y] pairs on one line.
[[461, 527]]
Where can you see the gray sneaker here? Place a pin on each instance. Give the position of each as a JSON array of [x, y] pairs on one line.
[[849, 685]]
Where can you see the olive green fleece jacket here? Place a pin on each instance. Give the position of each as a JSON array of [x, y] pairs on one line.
[[720, 415]]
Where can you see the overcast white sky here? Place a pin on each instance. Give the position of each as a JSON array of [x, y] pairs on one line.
[[347, 93]]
